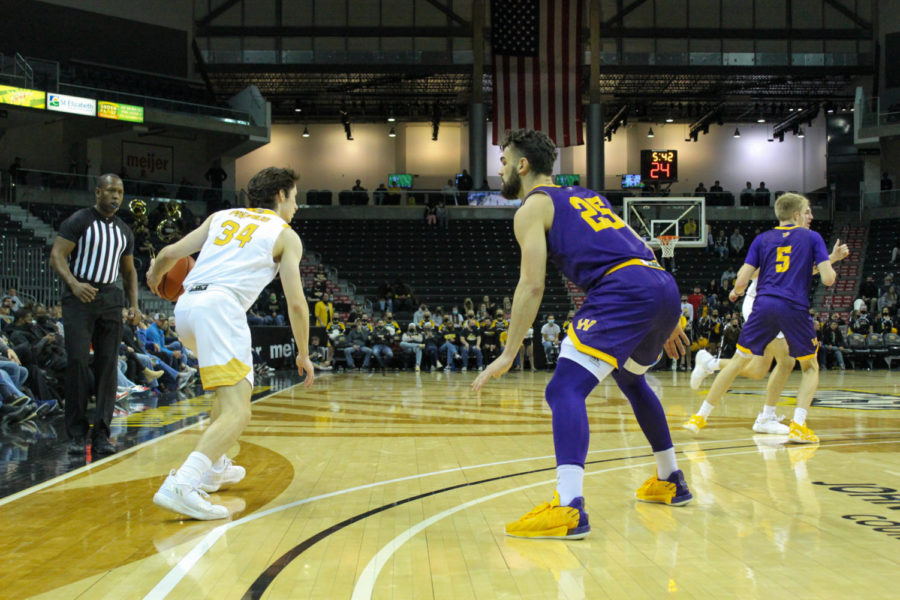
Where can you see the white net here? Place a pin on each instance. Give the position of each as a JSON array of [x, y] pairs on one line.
[[667, 243]]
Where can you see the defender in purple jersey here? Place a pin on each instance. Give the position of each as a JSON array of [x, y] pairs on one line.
[[786, 257], [630, 315]]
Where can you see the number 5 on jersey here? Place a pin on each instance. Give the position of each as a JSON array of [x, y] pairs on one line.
[[782, 259], [230, 228]]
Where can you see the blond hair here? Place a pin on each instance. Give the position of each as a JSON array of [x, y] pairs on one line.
[[788, 204]]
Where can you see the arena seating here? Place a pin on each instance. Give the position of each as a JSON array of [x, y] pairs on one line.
[[471, 258], [883, 235]]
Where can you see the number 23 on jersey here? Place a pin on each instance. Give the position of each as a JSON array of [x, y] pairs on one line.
[[230, 232], [595, 214]]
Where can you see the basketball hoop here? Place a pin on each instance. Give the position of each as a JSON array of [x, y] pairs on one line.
[[667, 243]]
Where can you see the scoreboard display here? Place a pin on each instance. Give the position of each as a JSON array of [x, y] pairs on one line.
[[660, 166]]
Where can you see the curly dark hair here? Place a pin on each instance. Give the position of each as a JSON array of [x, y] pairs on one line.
[[535, 146], [263, 188]]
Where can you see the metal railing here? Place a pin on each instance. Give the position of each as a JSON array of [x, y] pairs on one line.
[[27, 268]]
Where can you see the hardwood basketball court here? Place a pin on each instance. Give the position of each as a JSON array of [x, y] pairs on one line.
[[398, 486]]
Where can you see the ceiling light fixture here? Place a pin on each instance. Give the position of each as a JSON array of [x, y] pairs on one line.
[[737, 132], [650, 133], [305, 131], [800, 133], [392, 133]]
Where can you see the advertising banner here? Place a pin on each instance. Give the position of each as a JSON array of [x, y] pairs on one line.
[[72, 104], [120, 112], [22, 97]]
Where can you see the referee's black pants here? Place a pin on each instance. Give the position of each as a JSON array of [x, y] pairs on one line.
[[97, 323]]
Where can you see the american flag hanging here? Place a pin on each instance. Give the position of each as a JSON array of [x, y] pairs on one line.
[[538, 59]]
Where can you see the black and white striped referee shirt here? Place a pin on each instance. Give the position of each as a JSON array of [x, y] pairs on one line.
[[100, 243]]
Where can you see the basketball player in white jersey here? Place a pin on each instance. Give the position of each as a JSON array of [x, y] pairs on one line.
[[241, 251], [706, 364]]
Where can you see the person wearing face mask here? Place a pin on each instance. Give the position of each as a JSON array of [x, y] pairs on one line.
[[884, 324], [471, 344], [358, 340], [450, 346], [550, 338], [426, 319], [412, 343], [458, 319]]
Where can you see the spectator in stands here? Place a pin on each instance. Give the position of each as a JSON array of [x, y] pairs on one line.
[[490, 339], [884, 323], [833, 345], [324, 311], [357, 187], [721, 244], [420, 313], [730, 337], [431, 214], [154, 368], [887, 283], [404, 296], [450, 345], [319, 354], [888, 300], [763, 195], [468, 306], [490, 306], [6, 315], [507, 305], [727, 278], [432, 342], [862, 324], [886, 183], [470, 339], [385, 296], [273, 310], [382, 338], [716, 188], [714, 294], [358, 345], [748, 197], [696, 300], [15, 303], [412, 343], [448, 193], [550, 338], [46, 347], [392, 325], [464, 181], [355, 314], [320, 285], [569, 318], [457, 317], [868, 291], [379, 195], [710, 240], [687, 309], [426, 320], [709, 327], [700, 190], [895, 252], [684, 363], [736, 241], [441, 214]]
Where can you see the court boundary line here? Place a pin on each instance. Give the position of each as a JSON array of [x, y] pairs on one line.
[[109, 459], [168, 583], [365, 583]]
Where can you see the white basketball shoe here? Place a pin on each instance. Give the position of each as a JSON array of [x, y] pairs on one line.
[[186, 500], [771, 425], [702, 368], [214, 480]]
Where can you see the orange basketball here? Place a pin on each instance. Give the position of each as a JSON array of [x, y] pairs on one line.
[[170, 287]]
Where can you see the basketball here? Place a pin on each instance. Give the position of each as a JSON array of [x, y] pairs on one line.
[[170, 287]]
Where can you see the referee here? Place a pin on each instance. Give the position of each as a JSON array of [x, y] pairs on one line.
[[92, 247]]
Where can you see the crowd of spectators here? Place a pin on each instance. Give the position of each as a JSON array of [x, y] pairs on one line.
[[33, 360]]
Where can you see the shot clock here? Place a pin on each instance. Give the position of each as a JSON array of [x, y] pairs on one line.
[[660, 166]]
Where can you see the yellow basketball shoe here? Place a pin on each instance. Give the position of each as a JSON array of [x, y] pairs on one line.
[[672, 491], [695, 423], [801, 434], [550, 520]]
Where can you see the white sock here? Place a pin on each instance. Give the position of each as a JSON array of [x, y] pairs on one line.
[[705, 409], [768, 411], [193, 469], [800, 416], [714, 364], [569, 483], [665, 463], [219, 465]]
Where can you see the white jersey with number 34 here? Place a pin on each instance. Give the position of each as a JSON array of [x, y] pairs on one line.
[[237, 254]]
